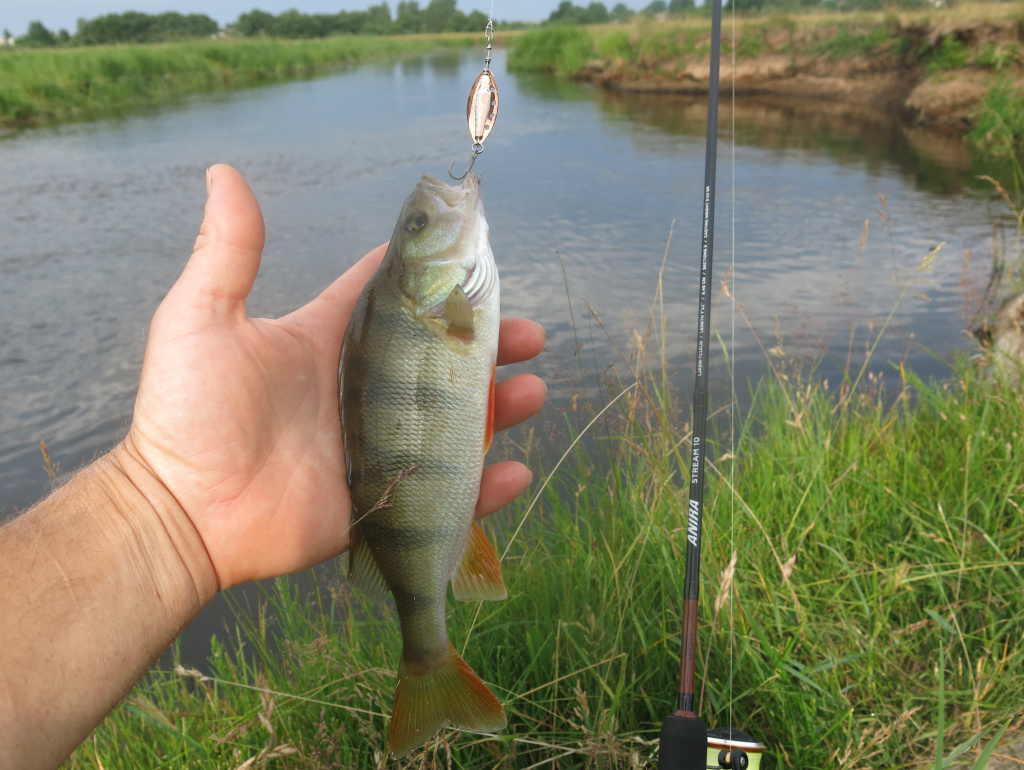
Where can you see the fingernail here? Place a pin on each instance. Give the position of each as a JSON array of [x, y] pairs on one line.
[[209, 183]]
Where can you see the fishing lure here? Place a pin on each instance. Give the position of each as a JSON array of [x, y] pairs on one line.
[[481, 107]]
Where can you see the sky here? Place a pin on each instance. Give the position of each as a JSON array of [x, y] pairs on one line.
[[15, 15]]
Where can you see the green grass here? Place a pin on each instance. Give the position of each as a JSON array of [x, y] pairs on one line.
[[950, 55], [848, 41], [873, 616], [751, 46], [54, 85], [997, 56], [614, 45], [999, 129], [562, 50]]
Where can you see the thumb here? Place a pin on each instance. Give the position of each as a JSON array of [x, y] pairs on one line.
[[226, 257]]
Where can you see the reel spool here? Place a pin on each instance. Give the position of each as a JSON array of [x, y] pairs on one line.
[[728, 748]]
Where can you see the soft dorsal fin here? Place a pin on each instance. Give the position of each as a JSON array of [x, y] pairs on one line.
[[478, 575], [458, 311], [363, 571]]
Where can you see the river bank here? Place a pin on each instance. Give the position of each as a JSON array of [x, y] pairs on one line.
[[48, 86], [938, 68]]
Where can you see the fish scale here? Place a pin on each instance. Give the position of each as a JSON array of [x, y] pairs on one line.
[[416, 387]]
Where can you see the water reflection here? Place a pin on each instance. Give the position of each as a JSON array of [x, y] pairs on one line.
[[876, 139]]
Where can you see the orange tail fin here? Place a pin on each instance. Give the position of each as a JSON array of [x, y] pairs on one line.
[[449, 692]]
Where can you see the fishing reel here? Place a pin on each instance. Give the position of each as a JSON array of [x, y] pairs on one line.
[[728, 748]]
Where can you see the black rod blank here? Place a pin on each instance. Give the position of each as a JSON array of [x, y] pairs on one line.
[[683, 742]]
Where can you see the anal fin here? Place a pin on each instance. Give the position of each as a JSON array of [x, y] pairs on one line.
[[363, 571], [478, 575]]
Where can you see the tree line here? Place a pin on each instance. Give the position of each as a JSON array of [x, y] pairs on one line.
[[409, 17], [136, 27], [598, 13]]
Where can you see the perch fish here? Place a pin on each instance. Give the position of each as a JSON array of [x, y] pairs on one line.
[[417, 406]]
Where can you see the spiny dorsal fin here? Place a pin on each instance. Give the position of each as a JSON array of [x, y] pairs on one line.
[[478, 575], [458, 311]]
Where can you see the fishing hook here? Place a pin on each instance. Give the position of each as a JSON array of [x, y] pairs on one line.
[[477, 150]]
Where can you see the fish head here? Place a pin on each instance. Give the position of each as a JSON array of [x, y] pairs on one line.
[[441, 242]]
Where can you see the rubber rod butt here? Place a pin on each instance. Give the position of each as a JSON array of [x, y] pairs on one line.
[[684, 743]]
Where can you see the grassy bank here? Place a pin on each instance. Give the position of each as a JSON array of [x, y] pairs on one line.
[[45, 86], [871, 619], [961, 68]]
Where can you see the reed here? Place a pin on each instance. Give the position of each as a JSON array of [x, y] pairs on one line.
[[45, 86]]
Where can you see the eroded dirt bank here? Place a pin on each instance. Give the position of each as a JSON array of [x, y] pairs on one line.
[[936, 73]]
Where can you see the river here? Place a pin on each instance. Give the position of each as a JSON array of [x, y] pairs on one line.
[[97, 220]]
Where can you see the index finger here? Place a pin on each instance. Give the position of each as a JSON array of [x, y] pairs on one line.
[[519, 339]]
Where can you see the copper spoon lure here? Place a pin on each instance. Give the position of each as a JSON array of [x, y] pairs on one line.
[[481, 107]]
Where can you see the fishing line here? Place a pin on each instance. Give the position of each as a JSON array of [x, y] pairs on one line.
[[201, 677]]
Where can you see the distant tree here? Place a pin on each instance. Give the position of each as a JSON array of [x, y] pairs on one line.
[[745, 5], [127, 27], [620, 13], [598, 13], [172, 25], [38, 36], [350, 22], [595, 13], [256, 22], [409, 17], [295, 24], [476, 21], [438, 14], [378, 20], [681, 6], [656, 7], [63, 37], [565, 13]]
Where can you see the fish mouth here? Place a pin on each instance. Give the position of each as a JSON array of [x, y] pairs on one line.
[[453, 195]]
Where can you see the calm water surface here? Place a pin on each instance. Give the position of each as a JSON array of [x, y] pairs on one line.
[[97, 220]]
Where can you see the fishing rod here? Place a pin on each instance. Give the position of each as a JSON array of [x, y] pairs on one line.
[[685, 742]]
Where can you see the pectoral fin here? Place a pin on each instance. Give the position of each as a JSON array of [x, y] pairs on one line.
[[458, 311], [478, 575], [363, 571]]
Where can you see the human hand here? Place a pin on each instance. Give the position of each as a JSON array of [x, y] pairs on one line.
[[236, 423]]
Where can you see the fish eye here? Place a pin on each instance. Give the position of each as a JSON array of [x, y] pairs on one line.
[[414, 221]]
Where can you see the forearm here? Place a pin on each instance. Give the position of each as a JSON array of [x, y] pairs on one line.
[[95, 582]]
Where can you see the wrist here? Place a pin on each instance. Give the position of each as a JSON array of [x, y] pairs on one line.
[[173, 550], [95, 582]]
